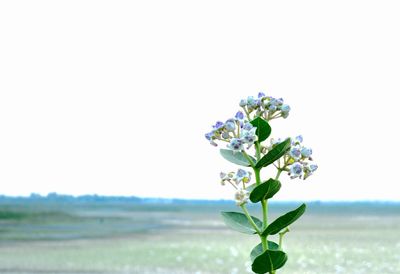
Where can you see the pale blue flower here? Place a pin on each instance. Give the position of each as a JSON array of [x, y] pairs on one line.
[[247, 126], [243, 103], [309, 170], [241, 173], [242, 176], [218, 125], [298, 139], [230, 125], [249, 136], [273, 102], [261, 95], [295, 152], [296, 170], [236, 144], [313, 167], [253, 102], [239, 115], [306, 152]]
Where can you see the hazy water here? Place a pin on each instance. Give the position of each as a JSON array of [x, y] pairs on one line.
[[176, 238]]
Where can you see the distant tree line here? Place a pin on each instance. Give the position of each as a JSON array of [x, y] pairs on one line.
[[55, 197]]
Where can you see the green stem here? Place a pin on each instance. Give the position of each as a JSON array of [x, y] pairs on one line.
[[253, 224], [247, 113], [278, 174], [258, 155], [281, 234], [258, 178], [264, 205], [280, 240], [264, 242], [249, 159]]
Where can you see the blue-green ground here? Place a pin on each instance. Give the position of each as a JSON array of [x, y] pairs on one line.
[[103, 237]]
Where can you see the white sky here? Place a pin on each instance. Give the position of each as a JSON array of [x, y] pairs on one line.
[[114, 97]]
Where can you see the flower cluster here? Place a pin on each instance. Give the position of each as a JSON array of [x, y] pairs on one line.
[[297, 159], [264, 106], [236, 131], [238, 180], [239, 134]]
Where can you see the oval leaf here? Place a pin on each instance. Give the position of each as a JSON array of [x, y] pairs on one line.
[[239, 222], [258, 249], [236, 157], [284, 221], [265, 190], [274, 154], [263, 130], [269, 261]]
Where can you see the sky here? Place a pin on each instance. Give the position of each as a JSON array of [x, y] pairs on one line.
[[114, 97]]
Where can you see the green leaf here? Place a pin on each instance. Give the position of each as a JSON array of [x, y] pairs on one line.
[[236, 157], [239, 222], [269, 261], [284, 221], [265, 190], [263, 130], [274, 154], [258, 249]]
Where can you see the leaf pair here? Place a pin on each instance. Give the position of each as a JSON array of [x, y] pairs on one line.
[[268, 260], [273, 258], [274, 154], [239, 222]]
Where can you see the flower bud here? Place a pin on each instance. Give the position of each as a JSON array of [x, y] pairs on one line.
[[243, 103], [306, 152], [285, 108], [225, 135]]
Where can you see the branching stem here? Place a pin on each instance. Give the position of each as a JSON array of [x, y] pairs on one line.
[[253, 224]]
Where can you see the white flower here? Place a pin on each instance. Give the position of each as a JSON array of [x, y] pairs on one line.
[[241, 197]]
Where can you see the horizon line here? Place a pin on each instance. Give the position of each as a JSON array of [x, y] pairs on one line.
[[50, 194]]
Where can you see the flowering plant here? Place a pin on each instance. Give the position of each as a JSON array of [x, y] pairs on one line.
[[246, 135]]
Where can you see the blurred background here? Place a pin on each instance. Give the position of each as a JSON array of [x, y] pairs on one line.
[[104, 167]]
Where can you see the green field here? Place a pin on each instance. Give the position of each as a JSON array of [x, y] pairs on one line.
[[56, 237]]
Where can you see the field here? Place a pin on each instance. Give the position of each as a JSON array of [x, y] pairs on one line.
[[173, 238]]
